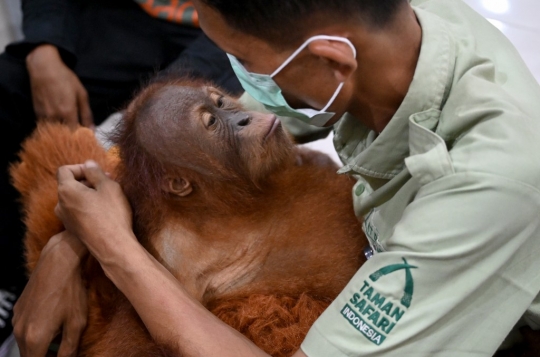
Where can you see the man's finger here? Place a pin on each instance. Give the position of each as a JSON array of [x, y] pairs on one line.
[[71, 118], [70, 340], [35, 346], [58, 211], [68, 173], [94, 174], [85, 113], [49, 119]]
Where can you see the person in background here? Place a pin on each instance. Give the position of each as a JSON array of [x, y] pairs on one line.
[[80, 61]]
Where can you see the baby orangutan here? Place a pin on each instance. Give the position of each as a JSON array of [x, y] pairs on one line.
[[260, 231]]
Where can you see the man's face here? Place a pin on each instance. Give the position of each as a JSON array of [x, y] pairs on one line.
[[300, 87]]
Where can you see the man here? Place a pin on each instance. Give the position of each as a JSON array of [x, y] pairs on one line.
[[441, 133]]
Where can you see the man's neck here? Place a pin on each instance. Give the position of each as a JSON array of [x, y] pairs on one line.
[[386, 67]]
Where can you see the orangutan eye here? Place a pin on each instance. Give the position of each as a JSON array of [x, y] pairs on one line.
[[220, 102], [211, 121]]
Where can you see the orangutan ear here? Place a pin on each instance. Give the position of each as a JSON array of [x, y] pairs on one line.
[[178, 186]]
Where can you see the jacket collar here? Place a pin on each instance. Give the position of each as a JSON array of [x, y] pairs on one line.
[[382, 156]]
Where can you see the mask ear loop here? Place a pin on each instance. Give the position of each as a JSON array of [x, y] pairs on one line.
[[333, 97], [308, 41]]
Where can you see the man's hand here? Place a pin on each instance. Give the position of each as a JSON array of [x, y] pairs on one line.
[[94, 208], [57, 93], [54, 299]]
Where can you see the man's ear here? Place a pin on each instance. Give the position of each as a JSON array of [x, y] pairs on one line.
[[178, 186], [338, 54]]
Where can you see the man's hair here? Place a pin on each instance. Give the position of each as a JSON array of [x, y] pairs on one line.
[[282, 22]]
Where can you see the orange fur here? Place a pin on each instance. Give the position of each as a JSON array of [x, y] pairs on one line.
[[268, 271], [49, 147], [277, 324]]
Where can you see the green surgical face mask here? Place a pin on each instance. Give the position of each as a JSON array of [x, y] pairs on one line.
[[264, 89]]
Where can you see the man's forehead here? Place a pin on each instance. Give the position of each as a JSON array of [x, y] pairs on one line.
[[230, 40]]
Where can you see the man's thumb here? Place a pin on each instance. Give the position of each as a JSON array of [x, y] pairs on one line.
[[93, 173]]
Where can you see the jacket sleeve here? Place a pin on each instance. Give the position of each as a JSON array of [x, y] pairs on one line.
[[49, 21], [459, 271]]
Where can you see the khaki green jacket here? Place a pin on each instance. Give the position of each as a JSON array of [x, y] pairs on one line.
[[450, 197]]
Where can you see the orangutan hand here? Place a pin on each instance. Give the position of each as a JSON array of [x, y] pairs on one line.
[[57, 93], [54, 300]]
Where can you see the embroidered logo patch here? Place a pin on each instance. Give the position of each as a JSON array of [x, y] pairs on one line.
[[375, 314]]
